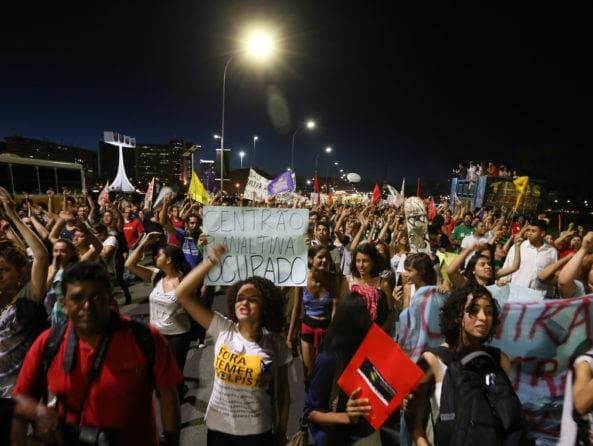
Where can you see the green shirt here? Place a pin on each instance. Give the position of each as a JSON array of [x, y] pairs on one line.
[[461, 231]]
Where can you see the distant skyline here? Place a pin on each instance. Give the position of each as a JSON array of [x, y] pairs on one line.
[[404, 89]]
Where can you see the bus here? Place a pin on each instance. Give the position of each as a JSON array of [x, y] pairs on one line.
[[35, 176]]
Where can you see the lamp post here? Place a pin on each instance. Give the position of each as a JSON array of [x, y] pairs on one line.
[[327, 176], [309, 125], [255, 138], [241, 155], [327, 150], [258, 45]]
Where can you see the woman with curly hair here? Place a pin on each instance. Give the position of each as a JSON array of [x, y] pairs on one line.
[[468, 320], [250, 359], [418, 273], [365, 279]]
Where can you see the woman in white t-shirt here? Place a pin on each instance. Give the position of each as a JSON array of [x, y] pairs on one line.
[[249, 400], [166, 314]]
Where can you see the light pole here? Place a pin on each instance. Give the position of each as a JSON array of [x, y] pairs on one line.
[[309, 125], [241, 155], [255, 138], [327, 176], [327, 150], [258, 45]]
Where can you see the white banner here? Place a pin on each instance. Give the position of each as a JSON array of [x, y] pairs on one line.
[[265, 242], [256, 188]]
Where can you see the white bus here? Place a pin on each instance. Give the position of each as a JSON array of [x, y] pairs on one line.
[[35, 176]]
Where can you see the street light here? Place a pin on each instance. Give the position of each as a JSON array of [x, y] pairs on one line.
[[327, 150], [309, 125], [327, 175], [255, 138], [241, 155], [258, 45]]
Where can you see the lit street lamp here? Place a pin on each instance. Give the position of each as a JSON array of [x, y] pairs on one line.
[[309, 125], [255, 138], [259, 45], [327, 150], [241, 155]]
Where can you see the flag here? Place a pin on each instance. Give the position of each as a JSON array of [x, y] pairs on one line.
[[149, 195], [520, 186], [376, 194], [559, 223], [330, 198], [103, 198], [196, 190], [282, 183], [432, 209], [418, 188]]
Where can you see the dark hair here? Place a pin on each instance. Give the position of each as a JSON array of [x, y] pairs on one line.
[[86, 271], [540, 224], [466, 213], [385, 260], [100, 227], [272, 302], [471, 266], [14, 255], [70, 246], [177, 258], [323, 223], [349, 326], [376, 258], [422, 263], [314, 250], [452, 311]]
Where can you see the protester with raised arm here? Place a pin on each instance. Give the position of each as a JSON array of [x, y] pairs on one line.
[[22, 288]]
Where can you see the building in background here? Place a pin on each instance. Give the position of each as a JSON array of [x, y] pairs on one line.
[[42, 149]]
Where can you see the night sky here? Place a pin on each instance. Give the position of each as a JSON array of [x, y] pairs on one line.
[[396, 89]]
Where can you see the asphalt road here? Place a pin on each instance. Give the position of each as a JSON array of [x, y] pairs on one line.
[[199, 365]]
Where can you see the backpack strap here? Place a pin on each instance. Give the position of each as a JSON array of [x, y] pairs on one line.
[[444, 354], [145, 341], [494, 352], [52, 345]]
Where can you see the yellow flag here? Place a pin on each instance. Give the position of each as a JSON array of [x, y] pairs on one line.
[[520, 186], [196, 190]]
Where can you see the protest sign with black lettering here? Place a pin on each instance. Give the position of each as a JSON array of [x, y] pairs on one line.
[[256, 188], [265, 242]]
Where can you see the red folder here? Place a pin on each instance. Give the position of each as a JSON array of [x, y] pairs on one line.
[[384, 374]]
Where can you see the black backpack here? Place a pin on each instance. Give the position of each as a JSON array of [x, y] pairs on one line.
[[140, 331], [478, 403]]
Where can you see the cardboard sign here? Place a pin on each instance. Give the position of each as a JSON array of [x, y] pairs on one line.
[[384, 374], [265, 242], [256, 188]]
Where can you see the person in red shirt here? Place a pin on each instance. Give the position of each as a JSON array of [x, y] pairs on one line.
[[133, 229], [517, 225], [177, 223], [119, 399]]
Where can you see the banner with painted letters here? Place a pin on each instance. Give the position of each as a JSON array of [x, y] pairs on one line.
[[540, 337], [256, 188], [265, 242]]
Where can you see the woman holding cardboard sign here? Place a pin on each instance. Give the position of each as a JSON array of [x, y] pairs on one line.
[[250, 359]]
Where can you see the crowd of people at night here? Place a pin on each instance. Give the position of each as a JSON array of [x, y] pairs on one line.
[[77, 370]]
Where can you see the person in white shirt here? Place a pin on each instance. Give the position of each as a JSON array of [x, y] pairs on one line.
[[536, 254]]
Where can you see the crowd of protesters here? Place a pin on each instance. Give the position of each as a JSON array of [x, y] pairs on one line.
[[74, 365]]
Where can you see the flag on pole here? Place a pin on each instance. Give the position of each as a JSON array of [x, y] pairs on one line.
[[376, 194], [103, 197], [149, 195], [282, 183], [432, 209], [520, 186], [197, 191]]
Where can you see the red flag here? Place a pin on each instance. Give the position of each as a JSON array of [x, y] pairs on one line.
[[316, 185], [559, 223], [376, 194], [432, 209], [418, 188], [330, 199]]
